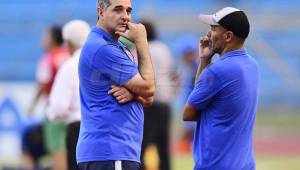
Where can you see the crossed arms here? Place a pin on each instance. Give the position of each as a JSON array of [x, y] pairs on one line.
[[142, 86]]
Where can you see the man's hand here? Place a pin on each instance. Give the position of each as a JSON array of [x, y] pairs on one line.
[[137, 33], [205, 54], [121, 94], [205, 49]]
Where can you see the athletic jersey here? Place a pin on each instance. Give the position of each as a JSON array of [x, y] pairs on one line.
[[49, 65], [226, 97], [109, 130]]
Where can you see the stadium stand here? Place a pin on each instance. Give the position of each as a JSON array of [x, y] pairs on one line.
[[274, 38]]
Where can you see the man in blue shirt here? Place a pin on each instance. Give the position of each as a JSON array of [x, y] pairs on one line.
[[113, 89], [224, 100]]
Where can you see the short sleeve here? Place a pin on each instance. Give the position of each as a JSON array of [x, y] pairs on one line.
[[114, 63], [206, 89]]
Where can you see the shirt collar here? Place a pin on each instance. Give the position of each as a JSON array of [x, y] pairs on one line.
[[105, 35], [239, 52]]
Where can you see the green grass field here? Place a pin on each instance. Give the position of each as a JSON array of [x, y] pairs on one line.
[[185, 162]]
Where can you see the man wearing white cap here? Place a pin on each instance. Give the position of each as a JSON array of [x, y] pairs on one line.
[[224, 100], [64, 102]]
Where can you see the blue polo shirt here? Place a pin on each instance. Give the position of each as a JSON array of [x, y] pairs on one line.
[[226, 96], [108, 130]]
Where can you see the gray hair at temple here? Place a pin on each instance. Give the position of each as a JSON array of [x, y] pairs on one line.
[[102, 3]]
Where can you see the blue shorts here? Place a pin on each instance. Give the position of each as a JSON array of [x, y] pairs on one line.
[[110, 165]]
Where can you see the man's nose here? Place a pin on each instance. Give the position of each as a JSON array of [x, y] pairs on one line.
[[126, 16], [209, 34]]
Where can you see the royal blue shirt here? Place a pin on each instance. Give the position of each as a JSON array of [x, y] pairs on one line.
[[226, 96], [108, 130]]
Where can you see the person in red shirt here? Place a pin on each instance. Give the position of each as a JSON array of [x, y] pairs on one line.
[[51, 135], [48, 65]]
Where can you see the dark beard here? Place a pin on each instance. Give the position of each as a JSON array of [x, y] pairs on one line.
[[218, 50]]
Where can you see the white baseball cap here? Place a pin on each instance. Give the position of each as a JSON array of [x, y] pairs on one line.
[[230, 18]]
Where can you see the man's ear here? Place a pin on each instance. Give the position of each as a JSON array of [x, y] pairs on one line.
[[99, 12], [229, 36]]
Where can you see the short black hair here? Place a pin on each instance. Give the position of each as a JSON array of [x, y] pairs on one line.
[[56, 35], [150, 28]]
